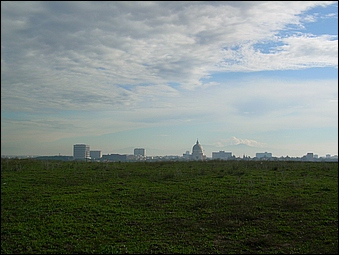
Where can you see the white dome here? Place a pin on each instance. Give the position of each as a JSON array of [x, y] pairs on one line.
[[197, 148], [197, 153]]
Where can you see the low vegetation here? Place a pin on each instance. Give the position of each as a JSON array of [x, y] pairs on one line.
[[209, 207]]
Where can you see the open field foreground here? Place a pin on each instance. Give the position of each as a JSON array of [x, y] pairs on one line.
[[169, 207]]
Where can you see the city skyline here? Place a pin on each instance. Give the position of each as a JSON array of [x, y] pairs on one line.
[[82, 151], [240, 76]]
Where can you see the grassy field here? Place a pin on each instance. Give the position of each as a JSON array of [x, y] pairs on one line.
[[212, 207]]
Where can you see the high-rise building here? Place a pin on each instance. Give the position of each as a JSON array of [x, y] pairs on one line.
[[139, 152], [81, 151]]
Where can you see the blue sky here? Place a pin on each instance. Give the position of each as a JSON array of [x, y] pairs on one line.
[[239, 76]]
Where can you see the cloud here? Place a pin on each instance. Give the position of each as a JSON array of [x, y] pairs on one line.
[[89, 48], [238, 141]]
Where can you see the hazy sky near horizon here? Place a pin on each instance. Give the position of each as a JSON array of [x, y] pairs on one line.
[[239, 76]]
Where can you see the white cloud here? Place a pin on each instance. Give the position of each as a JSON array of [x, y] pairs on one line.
[[236, 141], [119, 43]]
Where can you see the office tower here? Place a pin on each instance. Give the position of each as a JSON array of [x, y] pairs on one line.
[[81, 151]]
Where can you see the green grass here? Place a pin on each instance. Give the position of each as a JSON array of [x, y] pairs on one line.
[[169, 207]]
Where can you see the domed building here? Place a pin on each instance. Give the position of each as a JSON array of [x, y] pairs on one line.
[[197, 152]]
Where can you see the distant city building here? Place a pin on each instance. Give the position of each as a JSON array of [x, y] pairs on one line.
[[114, 157], [139, 152], [197, 152], [263, 155], [222, 155], [95, 154], [81, 151], [309, 156], [328, 155], [186, 155]]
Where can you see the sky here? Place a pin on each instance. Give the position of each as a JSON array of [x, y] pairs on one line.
[[238, 76]]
